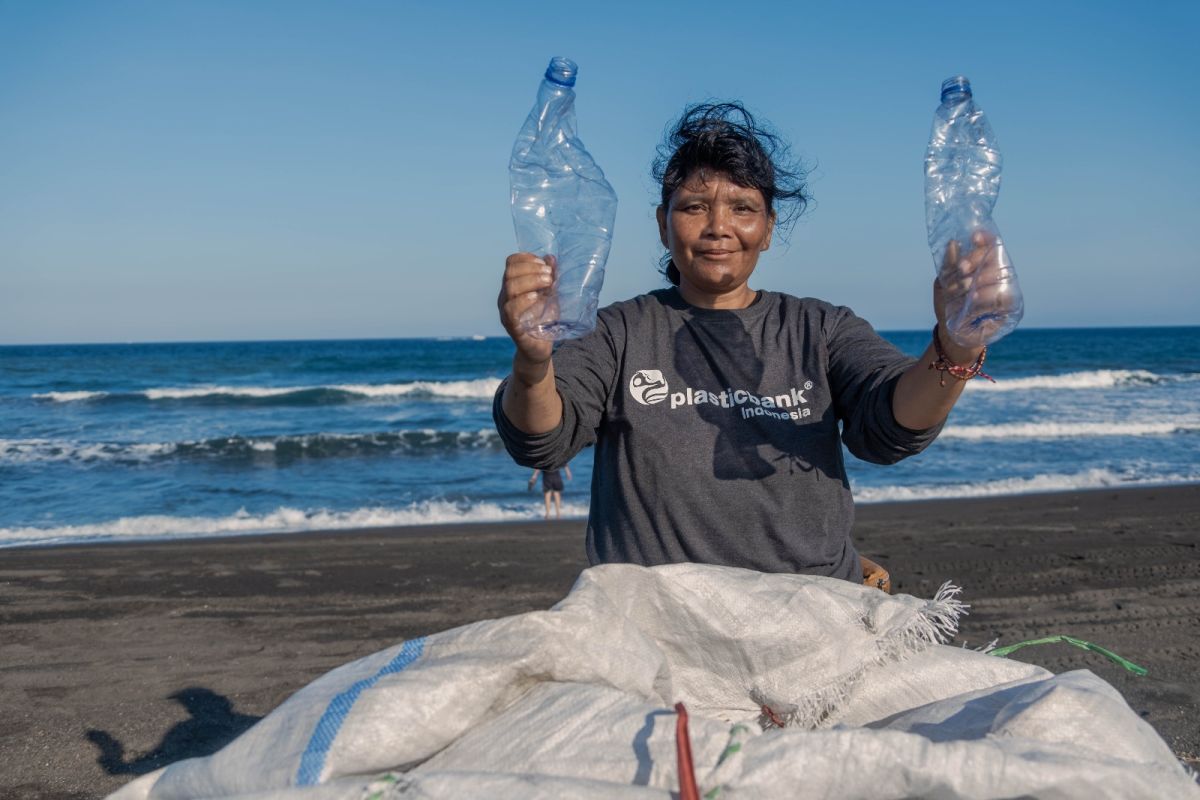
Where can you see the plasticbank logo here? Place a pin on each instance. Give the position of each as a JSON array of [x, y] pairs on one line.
[[648, 386]]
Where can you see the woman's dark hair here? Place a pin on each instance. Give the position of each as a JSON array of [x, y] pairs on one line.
[[724, 137]]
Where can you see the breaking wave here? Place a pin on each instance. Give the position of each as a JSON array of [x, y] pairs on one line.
[[477, 389], [1070, 430], [1089, 479], [1092, 379], [240, 448], [282, 520]]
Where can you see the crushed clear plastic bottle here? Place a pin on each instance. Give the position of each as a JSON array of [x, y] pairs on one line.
[[962, 180], [563, 208]]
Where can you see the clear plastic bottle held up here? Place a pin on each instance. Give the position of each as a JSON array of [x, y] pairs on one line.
[[563, 208], [962, 180]]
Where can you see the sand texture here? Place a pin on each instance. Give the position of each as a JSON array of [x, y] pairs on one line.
[[117, 659]]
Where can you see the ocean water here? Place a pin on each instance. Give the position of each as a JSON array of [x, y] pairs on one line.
[[117, 442]]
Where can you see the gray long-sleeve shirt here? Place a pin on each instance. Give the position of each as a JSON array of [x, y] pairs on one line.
[[716, 432]]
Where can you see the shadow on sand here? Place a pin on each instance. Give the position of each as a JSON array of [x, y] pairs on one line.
[[212, 725]]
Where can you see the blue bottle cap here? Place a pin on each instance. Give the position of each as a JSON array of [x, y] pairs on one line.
[[562, 71], [958, 85]]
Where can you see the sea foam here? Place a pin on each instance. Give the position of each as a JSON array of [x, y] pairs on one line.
[[281, 520], [1088, 479], [1091, 379], [314, 445], [1070, 430], [69, 397], [476, 389]]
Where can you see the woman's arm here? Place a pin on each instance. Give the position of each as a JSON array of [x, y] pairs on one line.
[[923, 396], [530, 401]]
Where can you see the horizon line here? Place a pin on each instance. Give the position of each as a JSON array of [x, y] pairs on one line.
[[487, 337]]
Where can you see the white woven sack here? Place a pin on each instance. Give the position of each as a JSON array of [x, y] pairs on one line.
[[575, 701]]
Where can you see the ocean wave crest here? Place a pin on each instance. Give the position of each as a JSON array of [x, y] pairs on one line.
[[280, 448], [1069, 430], [1038, 484], [31, 451], [476, 389], [281, 520], [69, 397], [1091, 379]]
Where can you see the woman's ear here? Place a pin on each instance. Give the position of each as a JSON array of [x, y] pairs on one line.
[[766, 245], [661, 215]]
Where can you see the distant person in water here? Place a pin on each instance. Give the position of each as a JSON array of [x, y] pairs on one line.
[[552, 488]]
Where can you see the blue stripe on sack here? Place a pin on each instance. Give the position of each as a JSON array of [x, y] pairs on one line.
[[313, 760]]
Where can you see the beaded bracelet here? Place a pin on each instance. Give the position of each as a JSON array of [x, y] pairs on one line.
[[944, 365]]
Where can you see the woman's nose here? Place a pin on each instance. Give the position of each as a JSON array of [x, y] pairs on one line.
[[718, 221]]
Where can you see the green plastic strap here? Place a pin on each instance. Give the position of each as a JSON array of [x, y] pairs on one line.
[[1080, 643]]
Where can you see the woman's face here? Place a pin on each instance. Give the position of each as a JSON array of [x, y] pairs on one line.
[[715, 230]]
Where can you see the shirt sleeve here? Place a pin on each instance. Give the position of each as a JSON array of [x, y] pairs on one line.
[[585, 370], [863, 371]]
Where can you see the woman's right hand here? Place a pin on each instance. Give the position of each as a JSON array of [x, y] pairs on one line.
[[527, 282], [531, 400]]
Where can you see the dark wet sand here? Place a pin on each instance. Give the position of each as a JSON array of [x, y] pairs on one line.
[[116, 659]]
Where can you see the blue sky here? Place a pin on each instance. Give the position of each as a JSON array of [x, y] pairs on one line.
[[278, 170]]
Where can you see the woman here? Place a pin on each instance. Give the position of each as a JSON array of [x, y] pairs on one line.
[[714, 407]]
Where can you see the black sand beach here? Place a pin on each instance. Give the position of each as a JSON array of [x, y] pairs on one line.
[[117, 659]]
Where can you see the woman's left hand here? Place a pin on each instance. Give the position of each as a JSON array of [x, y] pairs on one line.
[[952, 287]]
